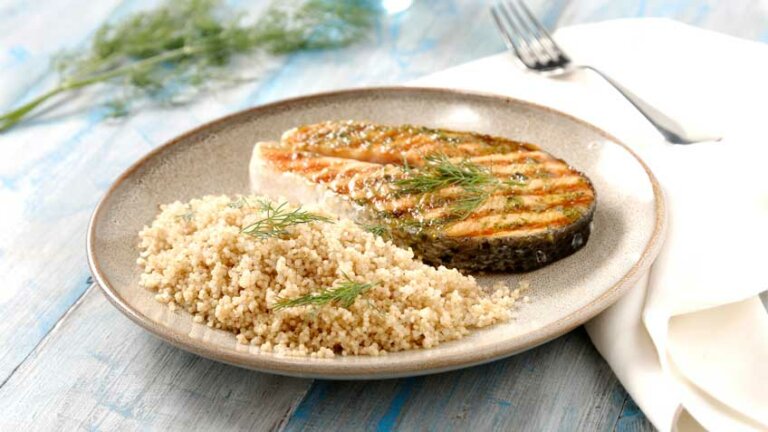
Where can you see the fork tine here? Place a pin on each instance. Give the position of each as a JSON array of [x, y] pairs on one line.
[[509, 29], [543, 34], [508, 39], [530, 34]]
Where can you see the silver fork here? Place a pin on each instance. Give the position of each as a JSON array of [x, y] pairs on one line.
[[538, 51]]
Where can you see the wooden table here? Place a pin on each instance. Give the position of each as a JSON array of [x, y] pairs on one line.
[[71, 361]]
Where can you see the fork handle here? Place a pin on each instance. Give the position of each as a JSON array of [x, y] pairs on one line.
[[672, 130]]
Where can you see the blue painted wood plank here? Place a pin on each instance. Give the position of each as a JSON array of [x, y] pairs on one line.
[[30, 34], [52, 173], [747, 19], [28, 267], [632, 419], [430, 36], [563, 385], [119, 377], [53, 170]]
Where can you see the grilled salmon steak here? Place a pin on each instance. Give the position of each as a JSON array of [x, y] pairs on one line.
[[464, 200]]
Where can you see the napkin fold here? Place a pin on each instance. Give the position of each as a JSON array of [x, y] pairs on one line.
[[690, 341]]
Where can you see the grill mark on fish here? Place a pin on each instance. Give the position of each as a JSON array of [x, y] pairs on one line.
[[501, 224], [388, 144], [344, 182], [488, 209], [449, 193], [545, 199], [308, 163]]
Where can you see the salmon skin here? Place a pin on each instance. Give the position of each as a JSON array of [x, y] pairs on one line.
[[460, 199]]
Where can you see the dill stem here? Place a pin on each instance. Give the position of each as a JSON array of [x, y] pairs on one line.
[[10, 118]]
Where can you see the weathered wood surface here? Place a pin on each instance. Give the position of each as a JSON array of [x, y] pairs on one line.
[[745, 18], [99, 371], [70, 361], [562, 385]]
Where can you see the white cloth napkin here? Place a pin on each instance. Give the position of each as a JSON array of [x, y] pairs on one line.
[[690, 342]]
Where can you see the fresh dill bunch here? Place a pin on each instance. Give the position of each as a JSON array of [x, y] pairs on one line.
[[277, 220], [440, 172], [169, 54], [318, 24], [343, 294]]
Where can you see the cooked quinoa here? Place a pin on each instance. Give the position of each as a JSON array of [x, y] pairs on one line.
[[195, 257]]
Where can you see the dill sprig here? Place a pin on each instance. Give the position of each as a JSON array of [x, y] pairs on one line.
[[277, 220], [478, 182], [380, 230], [343, 294], [440, 172], [174, 51], [239, 203], [468, 203]]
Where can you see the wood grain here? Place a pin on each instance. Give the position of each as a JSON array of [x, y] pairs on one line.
[[99, 371], [563, 385], [632, 419], [53, 170], [746, 18], [90, 368]]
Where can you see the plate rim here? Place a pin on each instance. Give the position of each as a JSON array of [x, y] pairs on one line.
[[326, 368]]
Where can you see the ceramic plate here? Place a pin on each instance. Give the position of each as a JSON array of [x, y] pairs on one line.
[[213, 159]]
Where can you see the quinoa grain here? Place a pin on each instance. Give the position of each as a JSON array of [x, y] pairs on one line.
[[195, 257]]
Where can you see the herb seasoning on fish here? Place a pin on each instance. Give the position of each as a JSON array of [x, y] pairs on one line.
[[478, 203], [440, 172]]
